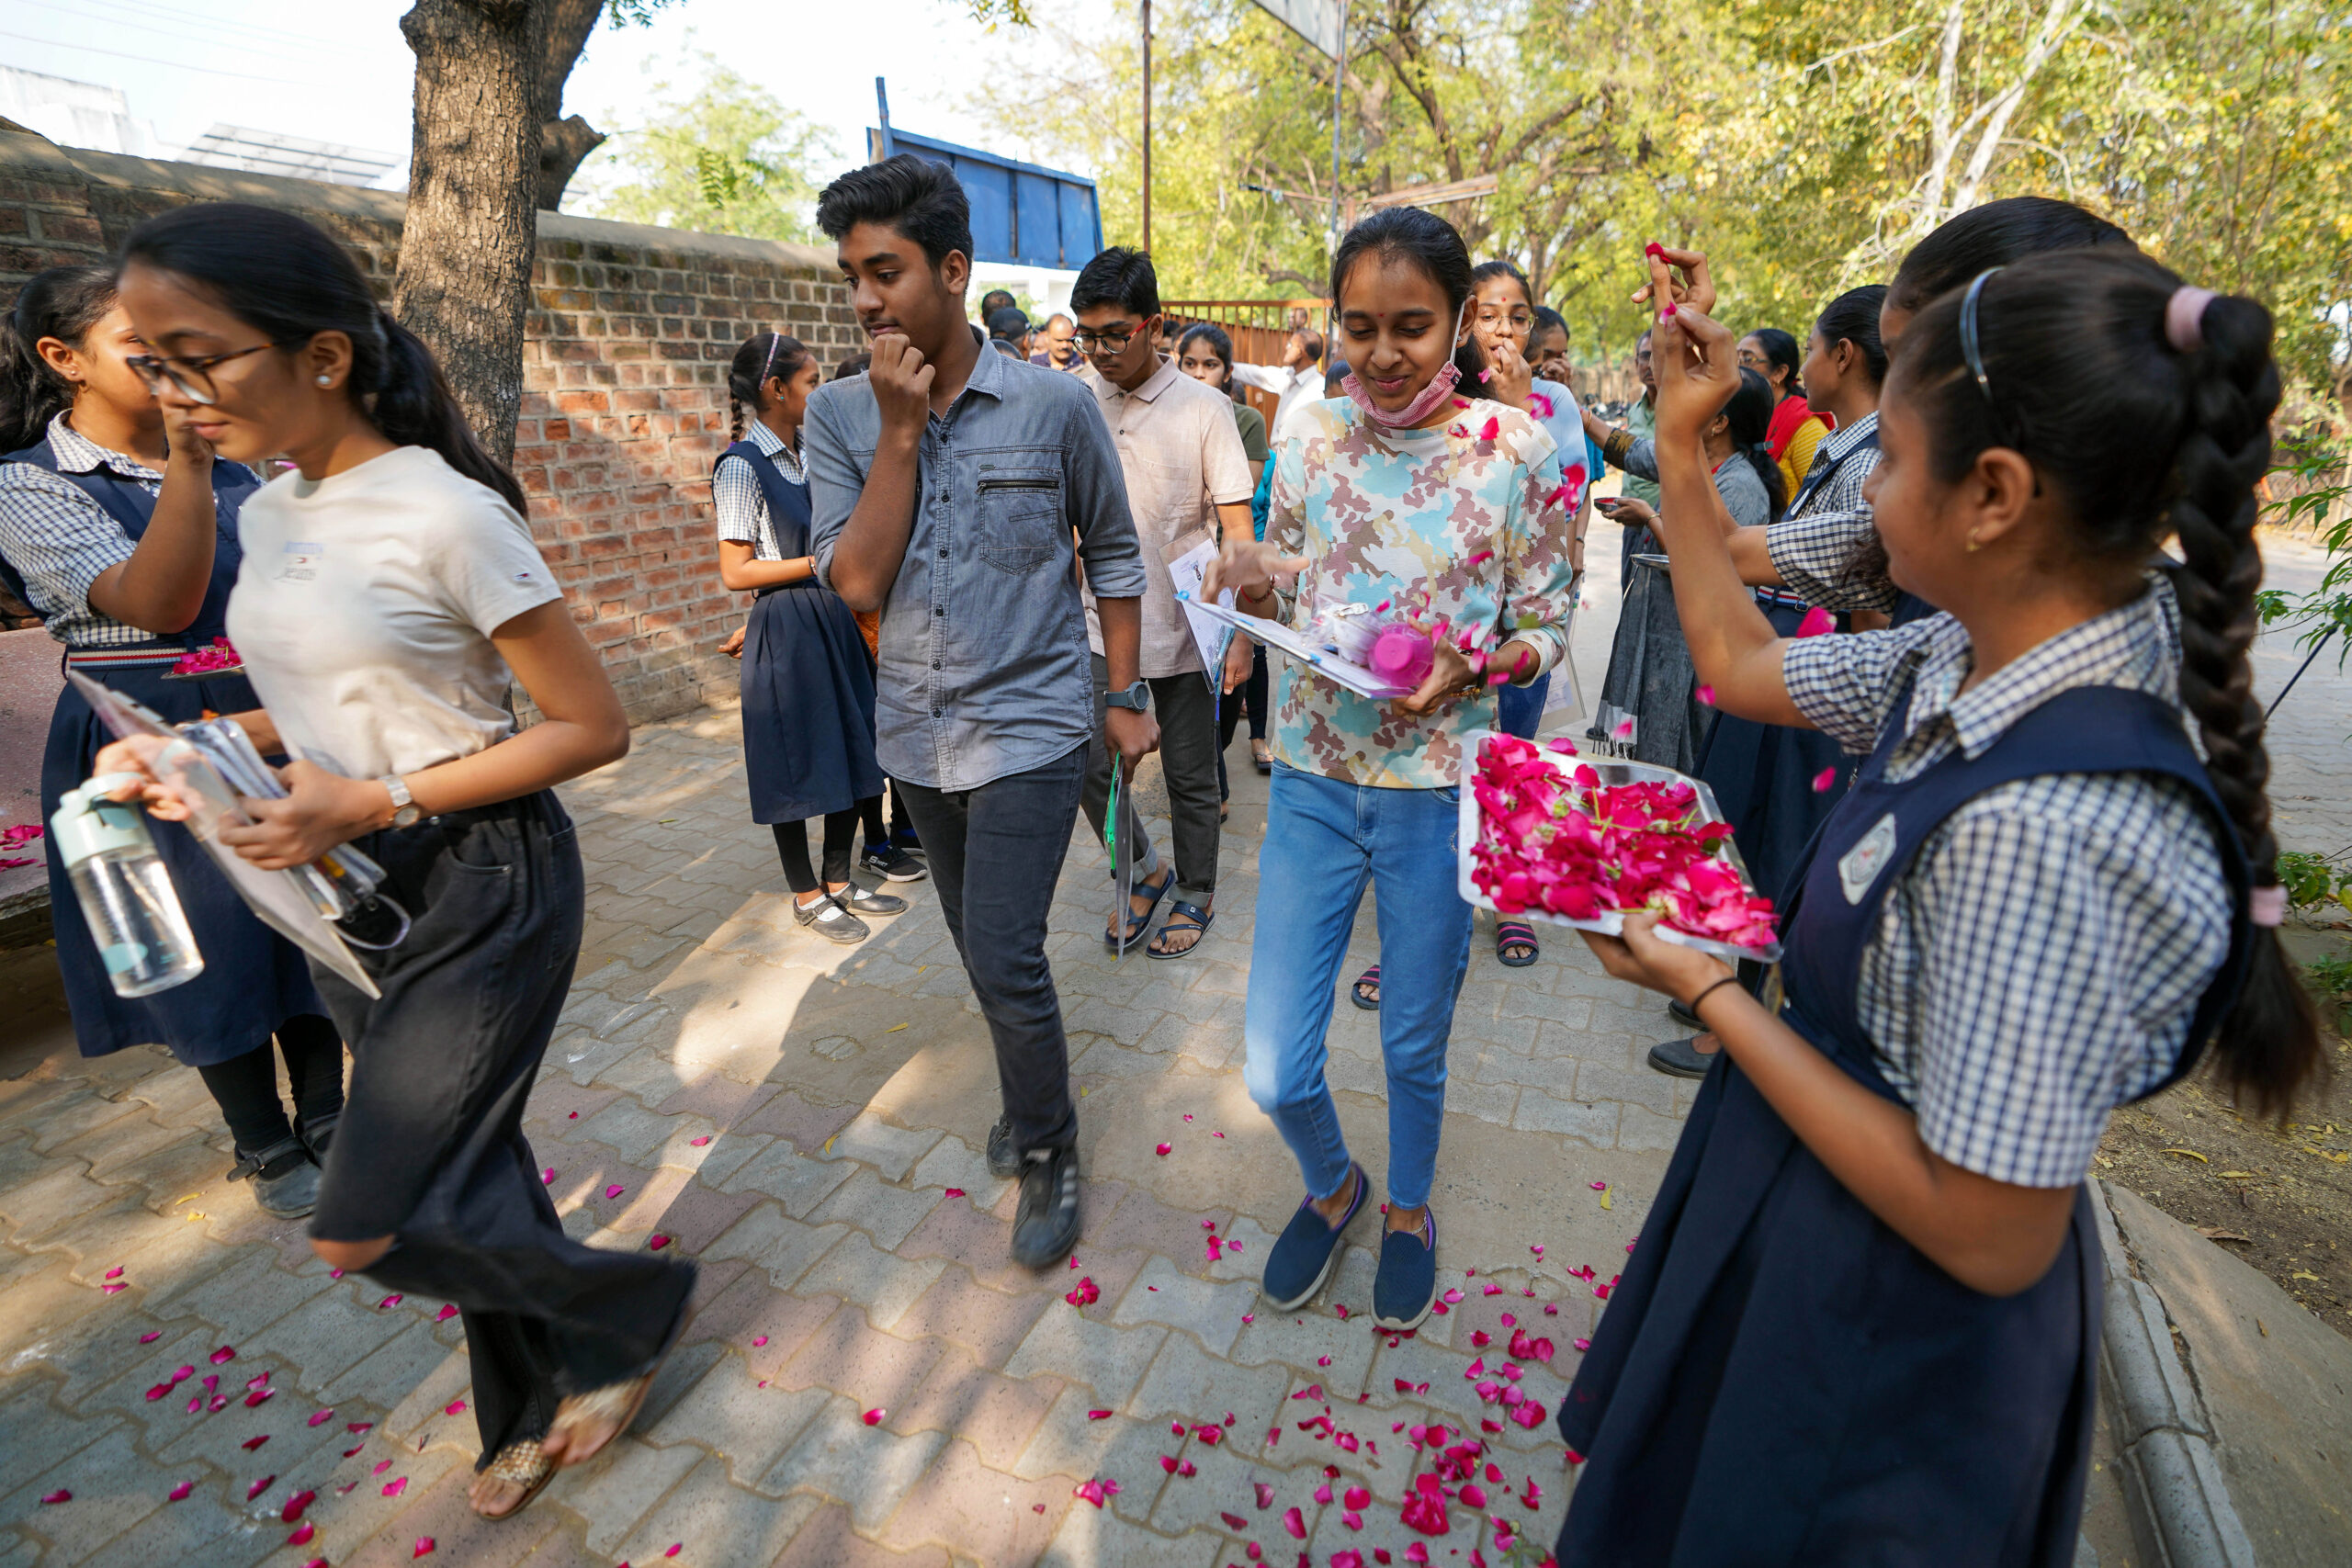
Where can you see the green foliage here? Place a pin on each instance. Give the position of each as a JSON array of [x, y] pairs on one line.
[[1804, 144], [2332, 978], [2313, 879], [723, 156], [2313, 487]]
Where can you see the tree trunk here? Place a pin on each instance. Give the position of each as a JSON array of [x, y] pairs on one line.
[[466, 250], [563, 141]]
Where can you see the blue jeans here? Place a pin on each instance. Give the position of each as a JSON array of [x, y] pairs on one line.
[[1520, 709], [1323, 839]]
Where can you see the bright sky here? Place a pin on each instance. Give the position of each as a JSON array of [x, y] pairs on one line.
[[339, 69]]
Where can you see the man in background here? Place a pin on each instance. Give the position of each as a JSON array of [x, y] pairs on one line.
[[1186, 475], [1057, 344], [1295, 382], [1009, 332]]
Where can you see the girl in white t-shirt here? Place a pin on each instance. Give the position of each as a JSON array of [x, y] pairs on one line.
[[390, 591]]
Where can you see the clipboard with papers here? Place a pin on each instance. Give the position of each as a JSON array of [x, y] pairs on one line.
[[1324, 660], [326, 907]]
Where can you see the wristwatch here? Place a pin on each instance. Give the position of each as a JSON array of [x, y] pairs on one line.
[[406, 813], [1136, 697]]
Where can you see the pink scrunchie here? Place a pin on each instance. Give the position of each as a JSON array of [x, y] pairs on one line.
[[2267, 906], [2185, 323]]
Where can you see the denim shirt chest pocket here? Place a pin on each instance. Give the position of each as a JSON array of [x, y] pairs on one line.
[[1020, 521]]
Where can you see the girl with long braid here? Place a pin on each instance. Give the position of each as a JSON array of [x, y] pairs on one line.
[[808, 675], [1863, 1317]]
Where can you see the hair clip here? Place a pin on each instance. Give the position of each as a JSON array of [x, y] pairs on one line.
[[1968, 347], [2185, 319]]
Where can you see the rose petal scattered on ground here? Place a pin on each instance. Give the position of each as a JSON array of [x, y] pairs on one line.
[[60, 1496], [874, 1417], [258, 1487], [110, 1290], [1265, 1495], [424, 1547], [760, 1341], [547, 1177], [151, 1338], [448, 1310], [698, 1142], [956, 1192], [392, 1300], [660, 1242], [357, 1426], [1163, 1148], [395, 1487], [115, 1272], [302, 1534], [1098, 1416], [260, 1396], [250, 1444], [223, 1355], [1294, 1525]]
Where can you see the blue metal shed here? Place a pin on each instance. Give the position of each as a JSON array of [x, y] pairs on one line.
[[1022, 215]]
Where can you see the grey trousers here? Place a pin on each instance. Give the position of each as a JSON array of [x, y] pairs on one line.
[[1186, 709]]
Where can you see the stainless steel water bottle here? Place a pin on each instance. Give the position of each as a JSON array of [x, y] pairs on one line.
[[125, 889]]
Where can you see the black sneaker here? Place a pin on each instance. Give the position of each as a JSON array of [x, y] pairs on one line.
[[1406, 1287], [1005, 1160], [1044, 1226], [285, 1181], [1308, 1247], [892, 864]]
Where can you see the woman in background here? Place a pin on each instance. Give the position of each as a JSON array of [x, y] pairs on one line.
[[1797, 427]]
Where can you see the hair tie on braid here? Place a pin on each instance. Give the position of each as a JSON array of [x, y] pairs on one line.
[[2185, 323], [2267, 906]]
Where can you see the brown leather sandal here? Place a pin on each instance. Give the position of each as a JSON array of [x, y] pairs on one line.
[[526, 1466]]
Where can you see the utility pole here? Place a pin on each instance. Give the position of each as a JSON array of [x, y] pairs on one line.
[[1339, 90], [882, 108], [1146, 124]]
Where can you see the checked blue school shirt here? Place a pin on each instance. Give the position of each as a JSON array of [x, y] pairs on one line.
[[2037, 963]]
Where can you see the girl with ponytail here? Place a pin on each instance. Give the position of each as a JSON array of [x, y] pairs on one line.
[[119, 526], [2037, 902], [1649, 698], [389, 596], [808, 675]]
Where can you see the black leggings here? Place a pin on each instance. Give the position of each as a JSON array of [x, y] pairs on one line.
[[792, 848], [870, 808], [245, 1087], [1249, 698]]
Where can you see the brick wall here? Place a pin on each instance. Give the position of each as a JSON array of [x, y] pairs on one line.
[[624, 377]]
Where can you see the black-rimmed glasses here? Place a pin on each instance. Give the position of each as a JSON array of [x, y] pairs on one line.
[[192, 377], [1113, 340]]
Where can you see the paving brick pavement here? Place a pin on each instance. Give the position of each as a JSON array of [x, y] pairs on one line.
[[808, 1122]]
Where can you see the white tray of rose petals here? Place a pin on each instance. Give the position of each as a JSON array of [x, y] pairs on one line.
[[1548, 836]]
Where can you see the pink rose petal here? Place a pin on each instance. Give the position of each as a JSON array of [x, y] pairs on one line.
[[760, 1341], [547, 1177], [181, 1493], [110, 1290], [874, 1417], [258, 1487], [455, 1408], [424, 1547], [1294, 1525], [357, 1426], [260, 1396], [1163, 1148], [392, 1300], [1823, 780], [1706, 693], [448, 1310], [115, 1272], [250, 1444], [302, 1534], [698, 1142], [956, 1192], [395, 1487], [60, 1496], [1818, 621], [660, 1242], [614, 1190], [319, 1419], [295, 1506], [1098, 1416], [151, 1338]]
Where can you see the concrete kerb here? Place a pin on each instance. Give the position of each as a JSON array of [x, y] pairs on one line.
[[2174, 1489]]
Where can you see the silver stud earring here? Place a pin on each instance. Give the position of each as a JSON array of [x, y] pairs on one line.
[[326, 380]]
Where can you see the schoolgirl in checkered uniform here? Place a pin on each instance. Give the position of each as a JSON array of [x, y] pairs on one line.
[[1862, 1322], [128, 559]]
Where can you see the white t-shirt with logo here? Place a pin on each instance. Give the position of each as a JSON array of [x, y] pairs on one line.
[[364, 609]]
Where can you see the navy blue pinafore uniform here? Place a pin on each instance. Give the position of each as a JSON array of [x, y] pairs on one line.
[[253, 978], [1778, 1378], [1763, 774], [808, 680]]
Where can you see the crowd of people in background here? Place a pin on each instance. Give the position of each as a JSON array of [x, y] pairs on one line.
[[1894, 590]]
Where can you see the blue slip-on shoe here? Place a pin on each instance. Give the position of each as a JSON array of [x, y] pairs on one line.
[[1406, 1287], [1304, 1252]]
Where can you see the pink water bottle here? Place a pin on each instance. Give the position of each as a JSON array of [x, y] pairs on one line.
[[1401, 656]]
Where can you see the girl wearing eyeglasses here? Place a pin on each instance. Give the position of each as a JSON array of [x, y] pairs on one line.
[[119, 526], [389, 595]]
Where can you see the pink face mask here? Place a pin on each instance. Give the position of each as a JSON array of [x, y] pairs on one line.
[[1433, 396]]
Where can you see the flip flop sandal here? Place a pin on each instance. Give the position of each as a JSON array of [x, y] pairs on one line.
[[1355, 992], [1138, 924], [1262, 759], [615, 1402], [1193, 912], [523, 1464], [1515, 933]]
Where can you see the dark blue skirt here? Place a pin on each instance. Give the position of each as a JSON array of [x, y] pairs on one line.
[[808, 707], [1780, 1380], [252, 977], [1762, 776]]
